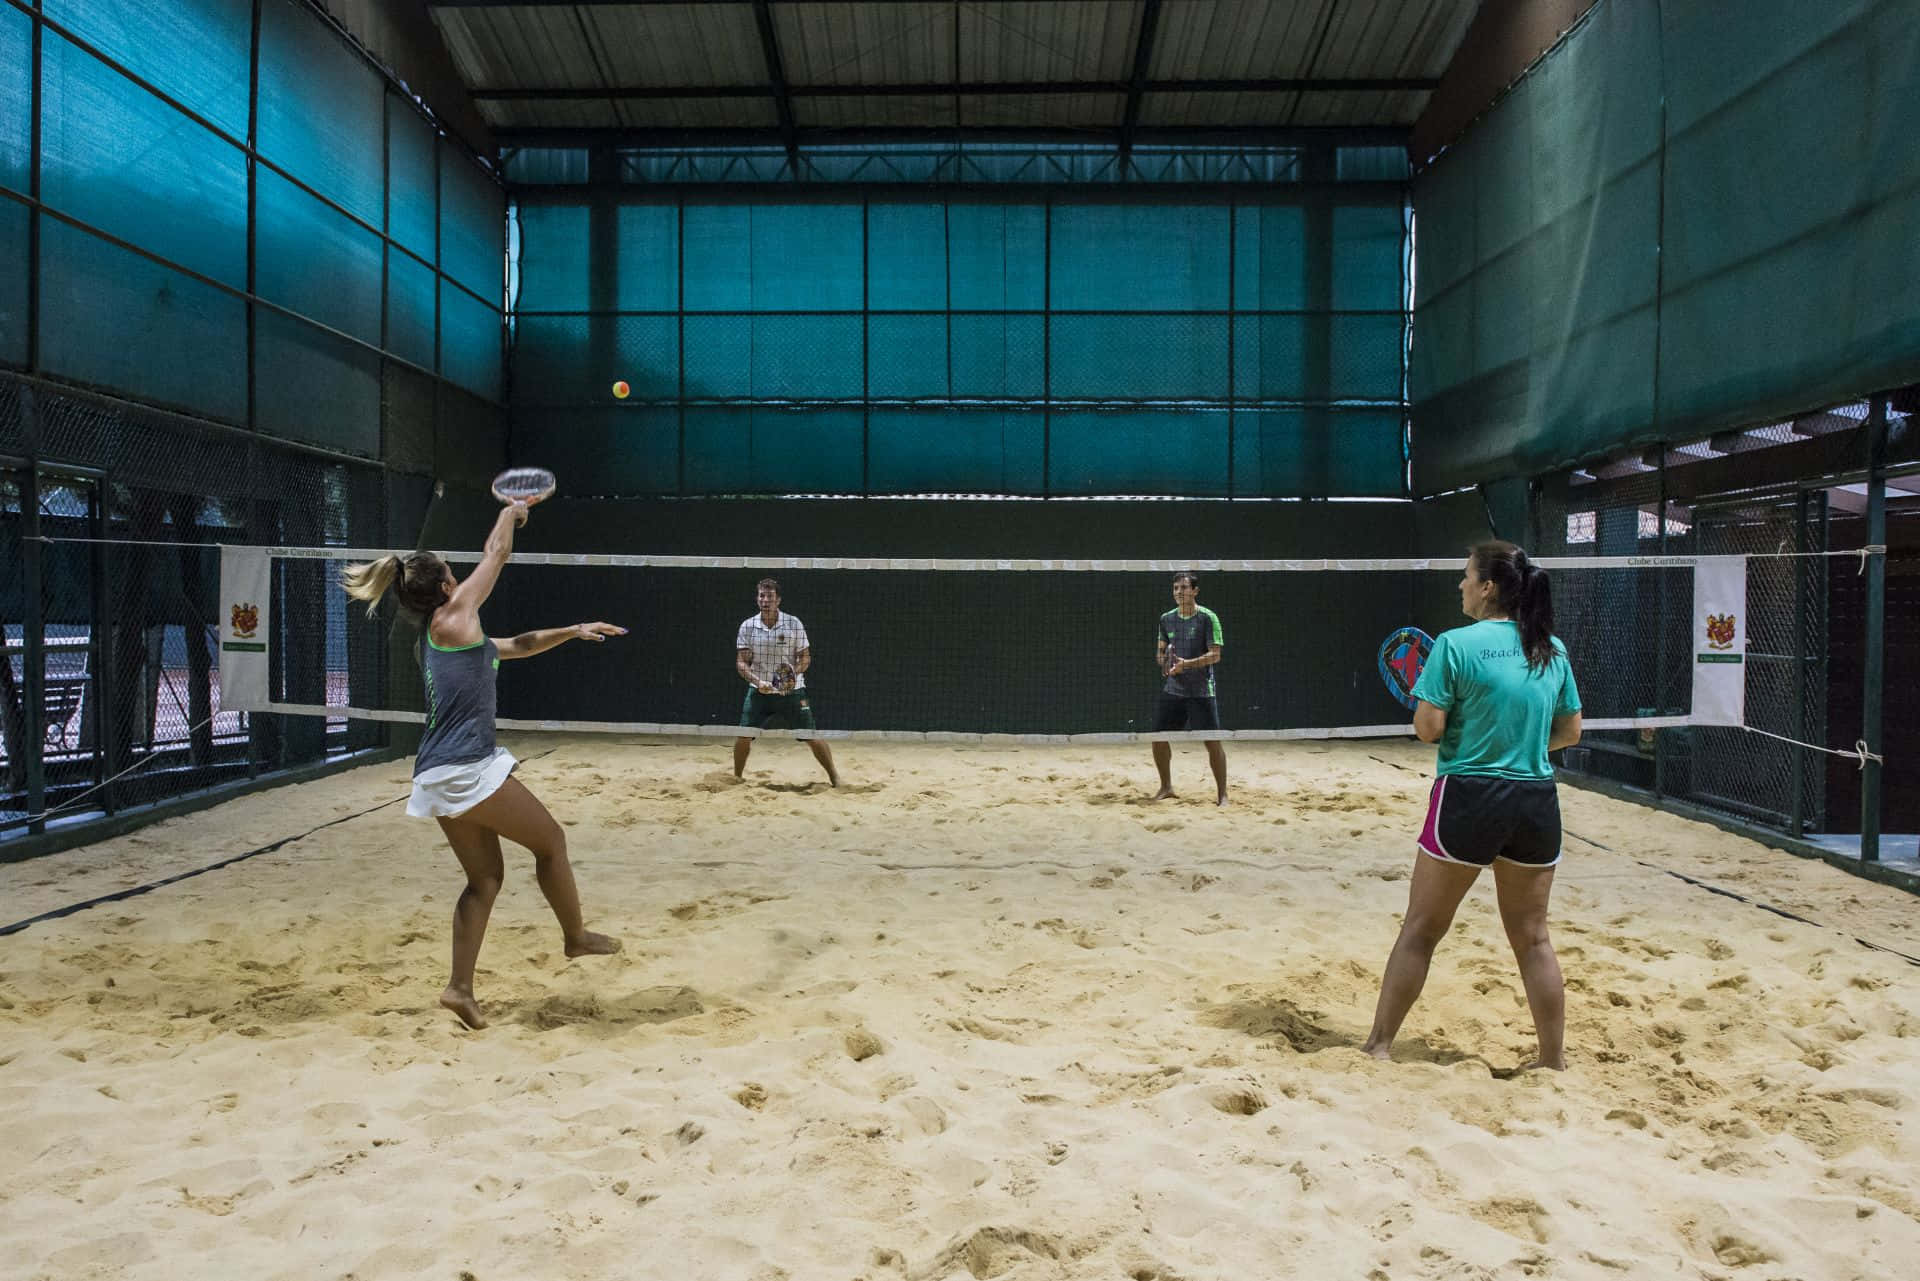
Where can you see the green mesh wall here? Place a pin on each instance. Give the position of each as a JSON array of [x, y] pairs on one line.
[[320, 109], [16, 99], [1675, 223], [144, 115], [119, 159], [906, 344], [413, 207], [196, 53], [315, 260]]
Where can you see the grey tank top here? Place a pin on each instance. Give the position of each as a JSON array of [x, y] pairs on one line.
[[460, 703]]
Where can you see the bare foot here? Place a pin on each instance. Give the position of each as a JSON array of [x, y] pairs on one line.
[[591, 944], [1541, 1065], [1163, 793], [833, 780], [1381, 1052], [1222, 800], [463, 1004]]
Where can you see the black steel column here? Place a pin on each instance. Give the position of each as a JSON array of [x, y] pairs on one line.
[[253, 167], [33, 635], [1797, 810], [33, 221], [1875, 679]]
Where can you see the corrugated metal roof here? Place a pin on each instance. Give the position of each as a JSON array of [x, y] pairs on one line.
[[1062, 44]]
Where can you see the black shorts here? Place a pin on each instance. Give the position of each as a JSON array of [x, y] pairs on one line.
[[1178, 712], [776, 711], [1475, 819]]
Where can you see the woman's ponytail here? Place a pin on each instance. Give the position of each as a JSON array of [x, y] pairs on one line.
[[369, 582], [1524, 595]]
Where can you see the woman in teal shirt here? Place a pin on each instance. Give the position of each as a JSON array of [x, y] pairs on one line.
[[1497, 696]]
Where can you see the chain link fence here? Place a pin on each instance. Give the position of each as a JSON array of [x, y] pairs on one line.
[[114, 514]]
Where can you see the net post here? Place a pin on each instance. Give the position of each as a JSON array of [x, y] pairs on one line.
[[1876, 567], [1660, 639], [1797, 808]]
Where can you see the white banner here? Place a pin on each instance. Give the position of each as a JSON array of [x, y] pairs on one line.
[[1720, 641], [245, 579]]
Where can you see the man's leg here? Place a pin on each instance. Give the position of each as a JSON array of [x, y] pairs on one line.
[[1163, 761], [741, 746], [1217, 757]]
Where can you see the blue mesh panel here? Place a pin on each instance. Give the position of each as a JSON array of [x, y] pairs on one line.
[[111, 318], [1323, 357], [410, 303], [16, 98], [773, 450], [1139, 257], [956, 450], [195, 51], [1366, 257], [1001, 356], [618, 450], [412, 207], [315, 260], [907, 357], [1139, 451], [1304, 453], [557, 362], [648, 237], [312, 386], [553, 258], [118, 158], [907, 257], [13, 283], [469, 342], [999, 256], [473, 225], [320, 107], [773, 257], [773, 357], [1140, 357], [1270, 258]]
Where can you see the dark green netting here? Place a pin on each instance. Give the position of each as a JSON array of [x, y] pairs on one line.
[[1674, 224], [315, 260], [110, 318], [119, 159], [320, 109], [469, 342], [315, 387], [13, 283], [1082, 347], [413, 208], [411, 300], [472, 222], [16, 99], [194, 51]]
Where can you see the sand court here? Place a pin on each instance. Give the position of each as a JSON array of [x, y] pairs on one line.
[[981, 1013]]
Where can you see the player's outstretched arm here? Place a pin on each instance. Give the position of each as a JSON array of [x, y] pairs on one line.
[[527, 644]]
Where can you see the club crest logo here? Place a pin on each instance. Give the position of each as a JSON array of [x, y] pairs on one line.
[[243, 621], [1719, 631], [1403, 656]]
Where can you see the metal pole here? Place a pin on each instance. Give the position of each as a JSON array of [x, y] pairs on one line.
[[1876, 665], [1660, 639], [1797, 810], [33, 635]]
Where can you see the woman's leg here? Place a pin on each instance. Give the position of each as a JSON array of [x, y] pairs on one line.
[[479, 853], [1523, 892], [1435, 893], [517, 814]]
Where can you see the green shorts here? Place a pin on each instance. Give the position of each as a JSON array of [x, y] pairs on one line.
[[776, 711]]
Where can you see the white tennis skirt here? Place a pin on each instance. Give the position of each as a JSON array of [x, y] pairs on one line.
[[446, 791]]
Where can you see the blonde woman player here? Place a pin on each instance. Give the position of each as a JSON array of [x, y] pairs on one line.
[[461, 777]]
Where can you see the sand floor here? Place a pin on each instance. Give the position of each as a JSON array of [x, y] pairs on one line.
[[982, 1013]]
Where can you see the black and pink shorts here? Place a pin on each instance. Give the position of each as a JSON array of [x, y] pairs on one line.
[[1475, 819]]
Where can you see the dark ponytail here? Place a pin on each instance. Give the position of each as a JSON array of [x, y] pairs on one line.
[[1524, 595]]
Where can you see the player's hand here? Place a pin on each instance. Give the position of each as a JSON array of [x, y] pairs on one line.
[[596, 632], [519, 509], [1176, 666], [764, 687]]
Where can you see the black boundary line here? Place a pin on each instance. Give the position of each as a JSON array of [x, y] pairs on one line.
[[137, 890]]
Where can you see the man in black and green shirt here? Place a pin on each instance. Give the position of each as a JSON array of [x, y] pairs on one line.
[[1187, 646]]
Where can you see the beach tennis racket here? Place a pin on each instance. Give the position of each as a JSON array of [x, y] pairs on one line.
[[527, 485], [1403, 655], [782, 679]]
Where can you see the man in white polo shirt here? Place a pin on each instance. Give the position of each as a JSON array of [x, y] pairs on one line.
[[772, 656]]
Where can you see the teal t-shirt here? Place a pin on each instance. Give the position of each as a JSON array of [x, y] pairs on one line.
[[1498, 712]]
